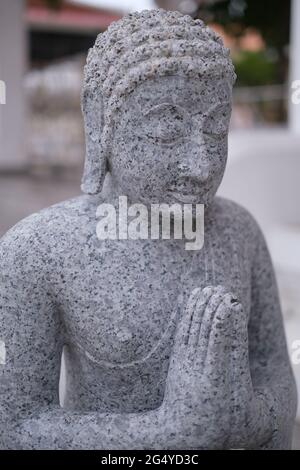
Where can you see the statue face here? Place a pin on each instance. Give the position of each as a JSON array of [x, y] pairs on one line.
[[170, 140]]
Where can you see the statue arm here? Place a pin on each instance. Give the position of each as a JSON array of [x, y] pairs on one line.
[[32, 339], [270, 367]]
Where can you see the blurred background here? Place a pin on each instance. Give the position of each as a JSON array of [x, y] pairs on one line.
[[43, 46]]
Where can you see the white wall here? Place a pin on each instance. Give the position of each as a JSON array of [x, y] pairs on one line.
[[12, 67], [294, 109]]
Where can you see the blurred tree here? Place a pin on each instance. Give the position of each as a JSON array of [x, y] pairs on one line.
[[254, 68], [55, 4], [270, 17]]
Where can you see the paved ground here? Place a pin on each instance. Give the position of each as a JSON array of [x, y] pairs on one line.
[[22, 195]]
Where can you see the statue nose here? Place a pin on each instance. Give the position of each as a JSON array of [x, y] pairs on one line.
[[196, 163]]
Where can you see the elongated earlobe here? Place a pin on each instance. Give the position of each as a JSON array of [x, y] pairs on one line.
[[95, 165]]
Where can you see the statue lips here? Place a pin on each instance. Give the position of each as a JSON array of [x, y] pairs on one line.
[[186, 194], [192, 185], [184, 190]]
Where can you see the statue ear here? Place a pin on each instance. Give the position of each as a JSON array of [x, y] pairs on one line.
[[95, 165]]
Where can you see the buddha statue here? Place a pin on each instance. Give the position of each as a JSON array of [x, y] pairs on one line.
[[164, 347]]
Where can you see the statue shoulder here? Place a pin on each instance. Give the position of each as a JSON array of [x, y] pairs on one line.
[[43, 234], [240, 219]]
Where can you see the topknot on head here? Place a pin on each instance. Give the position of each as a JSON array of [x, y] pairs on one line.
[[149, 19], [144, 44]]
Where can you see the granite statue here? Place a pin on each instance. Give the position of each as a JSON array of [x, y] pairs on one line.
[[164, 348]]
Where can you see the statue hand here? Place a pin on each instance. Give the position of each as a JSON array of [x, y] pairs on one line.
[[209, 395]]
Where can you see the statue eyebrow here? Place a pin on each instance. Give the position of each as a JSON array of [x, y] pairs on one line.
[[213, 108], [169, 104]]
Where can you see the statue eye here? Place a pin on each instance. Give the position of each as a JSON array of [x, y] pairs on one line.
[[164, 123], [216, 121]]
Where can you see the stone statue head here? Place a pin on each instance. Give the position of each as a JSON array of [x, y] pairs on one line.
[[156, 102]]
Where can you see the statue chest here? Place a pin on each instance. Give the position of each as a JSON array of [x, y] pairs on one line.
[[119, 300], [121, 308], [120, 305]]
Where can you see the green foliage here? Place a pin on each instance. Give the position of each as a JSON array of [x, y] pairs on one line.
[[270, 17], [54, 4], [254, 68]]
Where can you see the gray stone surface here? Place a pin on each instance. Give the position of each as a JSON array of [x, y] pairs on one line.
[[164, 348]]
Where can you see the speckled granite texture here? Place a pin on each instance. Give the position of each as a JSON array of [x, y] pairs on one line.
[[164, 348]]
